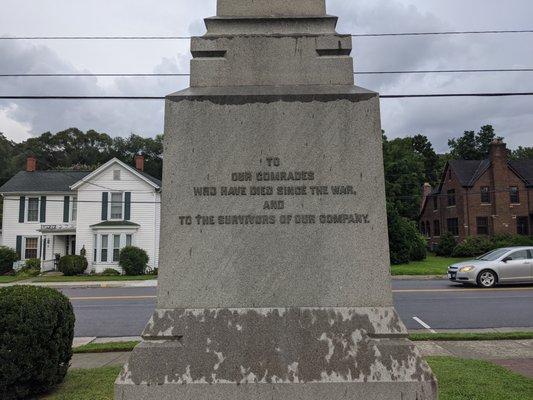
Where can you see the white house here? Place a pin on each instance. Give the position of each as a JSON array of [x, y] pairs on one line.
[[49, 214]]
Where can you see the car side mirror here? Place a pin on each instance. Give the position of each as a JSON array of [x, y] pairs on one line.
[[507, 259]]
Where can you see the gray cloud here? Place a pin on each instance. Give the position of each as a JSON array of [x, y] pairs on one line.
[[439, 119]]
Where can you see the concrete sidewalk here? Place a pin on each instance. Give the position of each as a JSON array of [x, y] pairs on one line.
[[153, 282], [86, 284], [516, 355]]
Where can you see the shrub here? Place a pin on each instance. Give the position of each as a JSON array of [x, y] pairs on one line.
[[446, 245], [406, 243], [419, 251], [110, 272], [7, 258], [133, 260], [33, 263], [36, 332], [510, 240], [72, 265], [473, 246]]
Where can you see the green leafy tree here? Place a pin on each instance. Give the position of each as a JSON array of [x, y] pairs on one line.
[[522, 153], [472, 145]]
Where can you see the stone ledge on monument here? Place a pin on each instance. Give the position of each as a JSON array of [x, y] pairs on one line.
[[270, 8], [268, 94]]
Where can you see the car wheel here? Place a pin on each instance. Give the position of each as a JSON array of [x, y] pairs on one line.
[[487, 279]]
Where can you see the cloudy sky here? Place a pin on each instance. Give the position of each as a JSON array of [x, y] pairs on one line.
[[440, 119]]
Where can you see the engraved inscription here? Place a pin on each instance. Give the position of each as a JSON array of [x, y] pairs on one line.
[[274, 188]]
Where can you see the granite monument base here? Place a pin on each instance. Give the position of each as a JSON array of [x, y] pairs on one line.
[[280, 354]]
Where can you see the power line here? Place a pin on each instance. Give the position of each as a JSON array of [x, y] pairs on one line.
[[359, 35], [445, 71], [386, 96]]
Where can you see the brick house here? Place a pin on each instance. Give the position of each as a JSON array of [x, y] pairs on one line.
[[480, 197]]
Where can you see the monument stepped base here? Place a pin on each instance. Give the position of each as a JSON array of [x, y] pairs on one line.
[[276, 353]]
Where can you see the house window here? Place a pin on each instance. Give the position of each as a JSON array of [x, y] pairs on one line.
[[116, 248], [116, 175], [116, 205], [33, 210], [95, 252], [451, 198], [105, 240], [423, 228], [514, 195], [485, 195], [428, 229], [522, 226], [74, 212], [435, 203], [436, 228], [30, 249], [129, 240], [453, 226], [482, 225]]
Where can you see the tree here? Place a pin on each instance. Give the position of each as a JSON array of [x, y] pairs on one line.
[[522, 153], [409, 163], [472, 145]]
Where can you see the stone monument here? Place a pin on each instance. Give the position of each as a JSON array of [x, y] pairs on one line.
[[274, 281]]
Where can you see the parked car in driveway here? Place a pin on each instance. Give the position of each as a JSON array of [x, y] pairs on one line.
[[500, 266]]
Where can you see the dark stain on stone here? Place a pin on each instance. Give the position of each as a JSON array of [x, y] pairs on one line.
[[303, 345]]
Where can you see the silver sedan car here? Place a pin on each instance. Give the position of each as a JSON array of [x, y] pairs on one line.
[[500, 266]]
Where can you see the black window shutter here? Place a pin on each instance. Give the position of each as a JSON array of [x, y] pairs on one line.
[[43, 209], [66, 209], [19, 246], [105, 200], [22, 208], [127, 206]]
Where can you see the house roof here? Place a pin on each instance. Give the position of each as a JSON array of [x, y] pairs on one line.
[[106, 224], [61, 181], [469, 171], [156, 183], [525, 169], [43, 181]]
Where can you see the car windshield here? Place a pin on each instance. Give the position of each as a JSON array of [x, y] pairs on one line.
[[493, 255]]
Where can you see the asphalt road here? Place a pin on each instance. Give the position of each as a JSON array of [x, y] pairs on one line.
[[436, 305]]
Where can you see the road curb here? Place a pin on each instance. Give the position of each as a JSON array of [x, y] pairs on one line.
[[419, 277]]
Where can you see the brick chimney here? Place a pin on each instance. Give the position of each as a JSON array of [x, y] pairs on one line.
[[500, 175], [498, 152], [139, 162], [426, 191], [31, 164]]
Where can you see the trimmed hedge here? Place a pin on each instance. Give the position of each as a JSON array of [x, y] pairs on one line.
[[73, 265], [110, 272], [7, 258], [133, 260], [476, 246], [36, 334], [446, 245]]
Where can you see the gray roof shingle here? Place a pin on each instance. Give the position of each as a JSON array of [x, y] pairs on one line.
[[42, 181], [525, 169]]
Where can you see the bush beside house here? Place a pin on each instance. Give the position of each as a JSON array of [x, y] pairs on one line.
[[133, 260], [36, 334], [7, 258], [72, 265]]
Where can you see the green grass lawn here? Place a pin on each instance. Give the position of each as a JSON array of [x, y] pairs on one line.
[[478, 380], [112, 347], [11, 279], [93, 278], [432, 265], [458, 380]]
